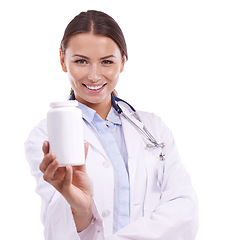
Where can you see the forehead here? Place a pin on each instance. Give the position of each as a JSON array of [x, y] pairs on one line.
[[92, 45]]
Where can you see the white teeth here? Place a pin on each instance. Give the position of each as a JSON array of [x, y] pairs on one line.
[[94, 87]]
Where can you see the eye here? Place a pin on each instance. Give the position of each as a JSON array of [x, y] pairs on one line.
[[107, 62], [81, 61]]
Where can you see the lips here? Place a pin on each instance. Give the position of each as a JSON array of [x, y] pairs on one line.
[[94, 87]]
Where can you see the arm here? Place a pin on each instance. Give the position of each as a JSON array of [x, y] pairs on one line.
[[175, 216], [56, 214]]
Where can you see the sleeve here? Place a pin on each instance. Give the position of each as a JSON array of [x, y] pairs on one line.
[[95, 229], [56, 213]]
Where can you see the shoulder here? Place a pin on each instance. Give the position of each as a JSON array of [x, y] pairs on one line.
[[148, 116], [33, 147], [38, 133], [156, 126], [151, 119]]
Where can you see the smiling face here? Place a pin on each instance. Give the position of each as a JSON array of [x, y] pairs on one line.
[[93, 64]]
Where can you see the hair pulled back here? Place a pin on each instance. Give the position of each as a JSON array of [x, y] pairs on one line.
[[98, 23]]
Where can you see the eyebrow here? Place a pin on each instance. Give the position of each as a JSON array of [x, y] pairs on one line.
[[109, 56], [82, 56]]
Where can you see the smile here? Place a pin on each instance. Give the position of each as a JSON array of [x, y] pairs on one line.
[[94, 87]]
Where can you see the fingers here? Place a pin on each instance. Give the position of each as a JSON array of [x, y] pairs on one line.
[[49, 165], [45, 147], [48, 159], [49, 173]]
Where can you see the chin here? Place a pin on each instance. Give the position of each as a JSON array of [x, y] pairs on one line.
[[94, 100]]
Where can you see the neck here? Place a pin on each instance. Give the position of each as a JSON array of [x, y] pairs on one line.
[[102, 108]]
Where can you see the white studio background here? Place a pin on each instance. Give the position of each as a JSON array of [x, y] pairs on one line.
[[184, 59]]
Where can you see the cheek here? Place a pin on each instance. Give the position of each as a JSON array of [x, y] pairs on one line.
[[113, 73], [76, 73]]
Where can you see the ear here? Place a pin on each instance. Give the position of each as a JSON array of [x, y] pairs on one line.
[[62, 61], [123, 63]]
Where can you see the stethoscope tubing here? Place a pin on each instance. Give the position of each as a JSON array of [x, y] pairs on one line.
[[143, 130]]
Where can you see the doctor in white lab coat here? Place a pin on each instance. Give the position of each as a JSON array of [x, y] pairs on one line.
[[78, 202]]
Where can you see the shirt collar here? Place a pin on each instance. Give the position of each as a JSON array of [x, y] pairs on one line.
[[114, 117], [88, 114]]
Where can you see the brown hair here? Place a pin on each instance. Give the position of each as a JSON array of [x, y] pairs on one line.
[[98, 23]]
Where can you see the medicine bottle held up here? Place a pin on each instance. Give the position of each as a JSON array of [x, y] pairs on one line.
[[65, 132]]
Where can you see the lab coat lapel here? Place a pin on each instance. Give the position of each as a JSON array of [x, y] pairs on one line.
[[134, 143], [133, 140], [136, 168]]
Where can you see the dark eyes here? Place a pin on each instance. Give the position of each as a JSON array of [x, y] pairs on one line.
[[84, 61], [107, 62], [81, 61]]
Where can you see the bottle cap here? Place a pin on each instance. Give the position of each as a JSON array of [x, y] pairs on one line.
[[69, 103]]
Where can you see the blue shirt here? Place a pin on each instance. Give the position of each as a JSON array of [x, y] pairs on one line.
[[110, 134]]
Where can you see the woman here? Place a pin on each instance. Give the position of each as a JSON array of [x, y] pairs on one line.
[[130, 187]]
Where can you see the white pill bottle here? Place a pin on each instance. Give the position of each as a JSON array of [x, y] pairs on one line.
[[65, 132]]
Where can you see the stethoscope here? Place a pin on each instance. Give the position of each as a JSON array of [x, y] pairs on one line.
[[141, 128], [153, 144]]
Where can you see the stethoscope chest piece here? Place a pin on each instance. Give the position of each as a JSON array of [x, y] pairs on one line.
[[161, 145], [155, 145], [161, 155]]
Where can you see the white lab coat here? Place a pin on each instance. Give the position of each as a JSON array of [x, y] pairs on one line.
[[162, 206]]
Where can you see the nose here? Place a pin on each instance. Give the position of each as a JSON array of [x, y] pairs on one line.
[[94, 74]]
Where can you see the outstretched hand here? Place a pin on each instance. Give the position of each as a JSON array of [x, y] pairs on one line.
[[71, 181]]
